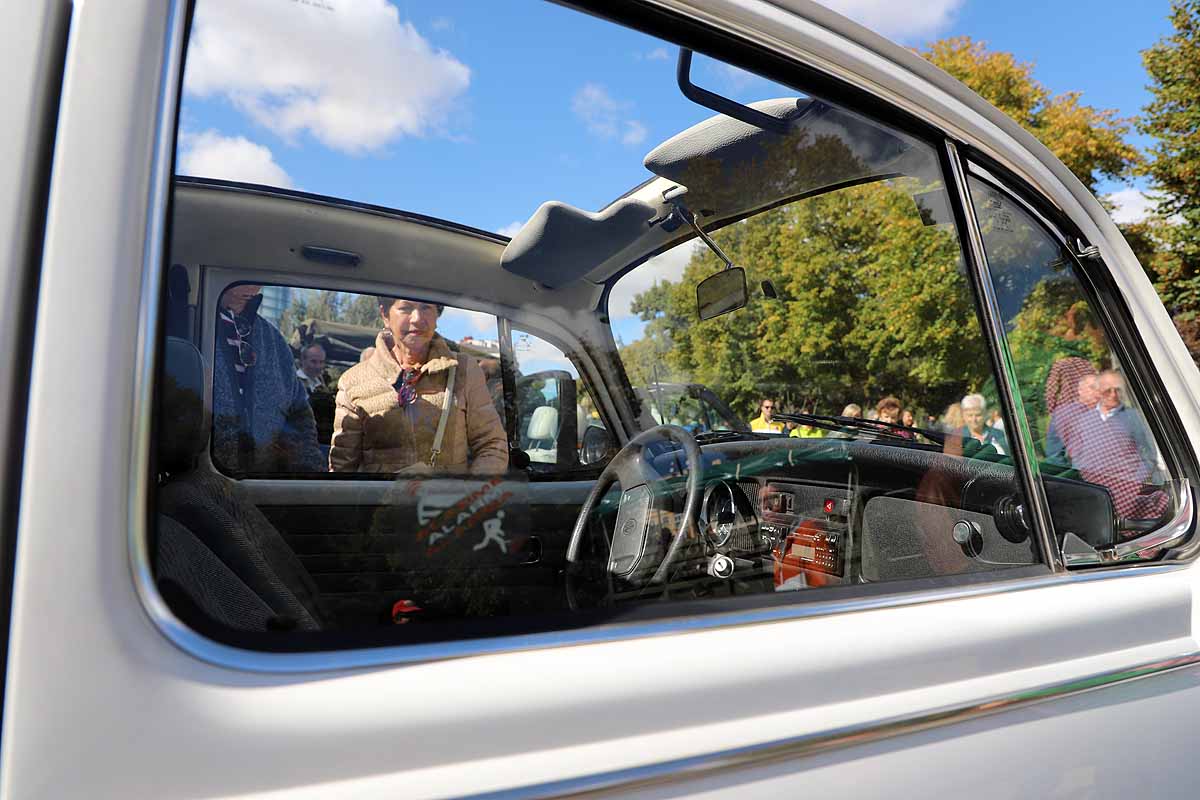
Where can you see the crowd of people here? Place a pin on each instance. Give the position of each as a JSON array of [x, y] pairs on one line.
[[413, 404], [1090, 429], [968, 419]]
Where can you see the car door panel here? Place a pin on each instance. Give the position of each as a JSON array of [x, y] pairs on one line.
[[362, 571]]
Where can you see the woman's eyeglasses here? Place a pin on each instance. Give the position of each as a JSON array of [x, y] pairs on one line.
[[240, 341]]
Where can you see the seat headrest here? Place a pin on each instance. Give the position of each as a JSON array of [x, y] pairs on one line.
[[182, 428], [543, 424]]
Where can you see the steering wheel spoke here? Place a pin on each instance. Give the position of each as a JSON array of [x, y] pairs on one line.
[[637, 557]]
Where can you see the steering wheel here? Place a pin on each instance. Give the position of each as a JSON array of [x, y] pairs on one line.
[[632, 546]]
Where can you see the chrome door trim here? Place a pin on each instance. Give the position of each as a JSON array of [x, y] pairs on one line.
[[1010, 390], [257, 661], [153, 256], [761, 755]]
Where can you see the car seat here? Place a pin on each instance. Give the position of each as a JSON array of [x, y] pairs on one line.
[[237, 535], [541, 436]]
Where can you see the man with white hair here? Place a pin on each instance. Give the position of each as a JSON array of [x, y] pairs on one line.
[[311, 371], [974, 411], [1116, 450]]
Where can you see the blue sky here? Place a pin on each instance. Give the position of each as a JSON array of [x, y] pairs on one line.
[[477, 111]]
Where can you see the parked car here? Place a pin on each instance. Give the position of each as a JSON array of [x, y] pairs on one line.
[[688, 612]]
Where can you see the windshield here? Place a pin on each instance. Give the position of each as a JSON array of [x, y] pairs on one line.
[[858, 302]]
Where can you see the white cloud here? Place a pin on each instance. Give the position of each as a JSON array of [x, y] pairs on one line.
[[666, 266], [459, 321], [734, 78], [1131, 205], [596, 108], [605, 117], [442, 24], [658, 54], [904, 20], [231, 158], [353, 75], [510, 230], [635, 132], [534, 354]]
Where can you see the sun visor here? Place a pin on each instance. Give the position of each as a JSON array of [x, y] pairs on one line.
[[731, 168], [560, 243]]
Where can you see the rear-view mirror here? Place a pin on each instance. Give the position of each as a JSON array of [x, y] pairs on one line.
[[721, 293], [596, 445]]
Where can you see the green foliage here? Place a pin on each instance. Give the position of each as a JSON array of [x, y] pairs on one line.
[[1055, 322], [871, 302], [353, 309], [645, 363], [1173, 119], [1090, 141]]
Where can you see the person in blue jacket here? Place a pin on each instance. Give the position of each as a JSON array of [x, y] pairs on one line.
[[262, 420]]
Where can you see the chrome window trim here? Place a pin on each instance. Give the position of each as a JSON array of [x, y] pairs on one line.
[[1147, 545], [278, 663], [761, 755], [153, 256], [253, 661], [1010, 390]]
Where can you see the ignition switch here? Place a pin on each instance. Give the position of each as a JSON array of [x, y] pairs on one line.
[[720, 566]]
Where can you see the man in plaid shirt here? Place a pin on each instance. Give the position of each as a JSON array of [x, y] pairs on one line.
[[1112, 446]]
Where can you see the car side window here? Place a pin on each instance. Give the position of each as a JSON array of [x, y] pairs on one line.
[[1086, 422], [367, 461]]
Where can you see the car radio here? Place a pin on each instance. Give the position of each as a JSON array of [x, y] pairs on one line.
[[808, 528]]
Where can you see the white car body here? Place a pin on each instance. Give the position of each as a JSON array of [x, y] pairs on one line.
[[1072, 685]]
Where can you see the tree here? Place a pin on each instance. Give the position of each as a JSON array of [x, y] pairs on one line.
[[873, 298], [872, 301], [1173, 118], [332, 306], [1090, 141]]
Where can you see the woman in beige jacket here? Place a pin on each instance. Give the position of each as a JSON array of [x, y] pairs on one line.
[[391, 406]]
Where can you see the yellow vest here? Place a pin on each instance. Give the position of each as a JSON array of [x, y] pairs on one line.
[[760, 425]]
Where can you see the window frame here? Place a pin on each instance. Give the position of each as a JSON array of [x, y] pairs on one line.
[[572, 354], [213, 283], [1098, 288]]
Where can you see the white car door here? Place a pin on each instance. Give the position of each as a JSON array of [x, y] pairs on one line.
[[1046, 680]]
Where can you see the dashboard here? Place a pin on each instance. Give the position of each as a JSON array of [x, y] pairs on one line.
[[806, 513]]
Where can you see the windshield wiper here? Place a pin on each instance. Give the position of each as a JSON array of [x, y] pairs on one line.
[[707, 437], [879, 428]]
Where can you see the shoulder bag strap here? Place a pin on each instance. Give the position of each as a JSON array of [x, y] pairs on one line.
[[447, 403]]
